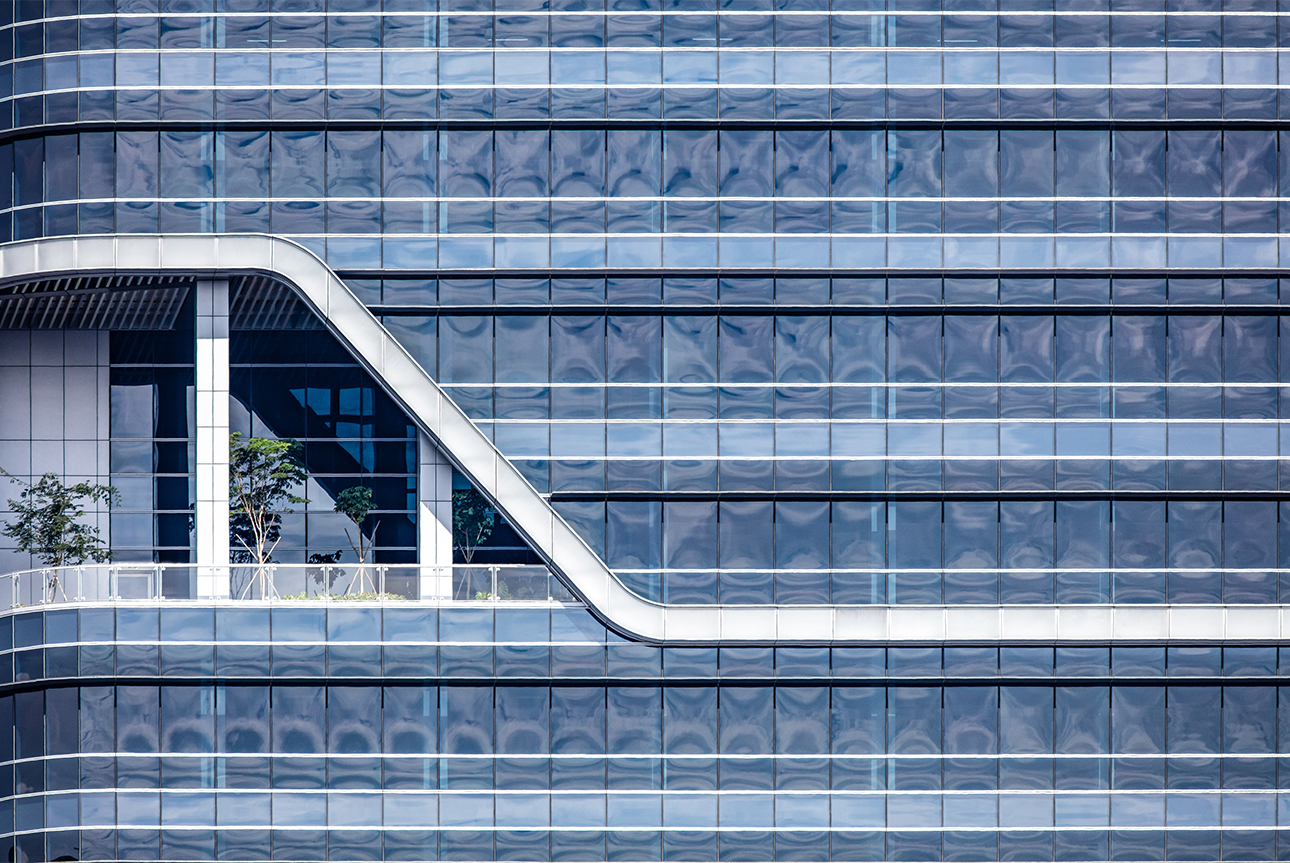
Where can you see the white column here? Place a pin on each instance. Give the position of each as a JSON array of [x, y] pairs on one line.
[[434, 519], [211, 516]]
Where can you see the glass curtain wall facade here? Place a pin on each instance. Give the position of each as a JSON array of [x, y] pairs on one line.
[[533, 734], [794, 303]]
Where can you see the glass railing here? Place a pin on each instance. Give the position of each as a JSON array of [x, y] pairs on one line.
[[282, 582]]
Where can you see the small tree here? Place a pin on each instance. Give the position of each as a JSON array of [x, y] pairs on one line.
[[261, 476], [472, 521], [355, 503], [47, 522], [472, 525]]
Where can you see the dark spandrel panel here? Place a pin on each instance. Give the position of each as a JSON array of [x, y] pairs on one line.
[[97, 660], [634, 661], [526, 653], [1088, 291], [299, 660], [746, 291], [971, 661], [1138, 662], [914, 661], [523, 625], [136, 659], [859, 662], [689, 291], [466, 625], [1250, 291], [1083, 661], [914, 291], [466, 292], [29, 664], [28, 630], [587, 292], [1018, 290], [577, 660], [301, 844], [521, 291], [243, 624], [61, 662], [354, 660], [625, 291], [409, 624], [417, 334], [966, 290], [1249, 661], [187, 660], [187, 624], [465, 660], [299, 624], [745, 661], [1194, 661], [523, 660], [409, 292], [368, 291], [136, 624], [802, 662], [411, 660], [1026, 661], [575, 625], [354, 624], [690, 661], [1144, 291], [1068, 104]]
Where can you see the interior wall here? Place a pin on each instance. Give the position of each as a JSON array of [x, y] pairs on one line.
[[54, 415]]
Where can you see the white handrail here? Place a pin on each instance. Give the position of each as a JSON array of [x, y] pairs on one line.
[[283, 582]]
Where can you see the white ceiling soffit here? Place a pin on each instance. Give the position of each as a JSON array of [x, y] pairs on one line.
[[229, 254]]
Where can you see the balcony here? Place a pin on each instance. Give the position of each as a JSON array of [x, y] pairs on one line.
[[282, 583]]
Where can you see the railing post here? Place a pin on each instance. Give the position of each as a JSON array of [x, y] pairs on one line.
[[492, 571], [380, 588]]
